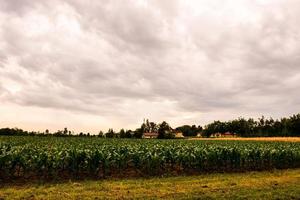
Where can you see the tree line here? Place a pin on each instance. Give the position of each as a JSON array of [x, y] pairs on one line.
[[262, 127]]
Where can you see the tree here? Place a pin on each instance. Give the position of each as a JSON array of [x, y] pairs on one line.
[[188, 130], [65, 132], [294, 124], [165, 131], [59, 133], [100, 134], [153, 127], [138, 133], [110, 133], [148, 127], [122, 133], [13, 131], [128, 134]]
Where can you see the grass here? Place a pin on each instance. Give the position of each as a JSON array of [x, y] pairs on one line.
[[279, 184]]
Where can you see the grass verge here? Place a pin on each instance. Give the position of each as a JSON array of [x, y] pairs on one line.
[[279, 184]]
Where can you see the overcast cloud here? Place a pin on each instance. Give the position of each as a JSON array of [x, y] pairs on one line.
[[91, 65]]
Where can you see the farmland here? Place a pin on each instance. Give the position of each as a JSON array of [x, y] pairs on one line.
[[52, 157]]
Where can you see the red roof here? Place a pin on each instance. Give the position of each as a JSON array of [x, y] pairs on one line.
[[228, 133], [150, 134]]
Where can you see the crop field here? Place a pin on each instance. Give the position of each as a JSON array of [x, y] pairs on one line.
[[54, 157]]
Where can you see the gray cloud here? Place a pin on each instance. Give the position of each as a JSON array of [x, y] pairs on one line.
[[160, 59]]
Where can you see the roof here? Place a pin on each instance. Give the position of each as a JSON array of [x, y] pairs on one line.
[[150, 134], [228, 133]]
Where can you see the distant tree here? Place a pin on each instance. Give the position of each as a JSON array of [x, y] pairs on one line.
[[32, 133], [294, 125], [165, 131], [138, 133], [215, 127], [122, 133], [288, 126], [153, 127], [100, 134], [148, 127], [13, 131], [58, 133], [143, 127], [65, 131], [188, 130], [110, 133], [128, 134]]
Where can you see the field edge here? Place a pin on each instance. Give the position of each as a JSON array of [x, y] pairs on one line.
[[277, 184]]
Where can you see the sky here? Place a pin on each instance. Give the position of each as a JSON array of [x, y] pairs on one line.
[[98, 64]]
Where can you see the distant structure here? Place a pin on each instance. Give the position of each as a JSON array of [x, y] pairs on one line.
[[227, 134], [178, 134], [199, 134], [150, 135]]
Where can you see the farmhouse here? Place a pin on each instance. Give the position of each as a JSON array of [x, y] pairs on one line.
[[227, 134], [150, 135], [178, 134], [199, 134]]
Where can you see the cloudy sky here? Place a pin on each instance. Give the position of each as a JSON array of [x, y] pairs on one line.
[[94, 64]]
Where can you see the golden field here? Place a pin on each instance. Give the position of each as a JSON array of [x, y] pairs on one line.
[[272, 139]]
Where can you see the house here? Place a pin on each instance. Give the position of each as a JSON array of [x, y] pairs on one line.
[[226, 134], [178, 134], [199, 134], [150, 135], [216, 135]]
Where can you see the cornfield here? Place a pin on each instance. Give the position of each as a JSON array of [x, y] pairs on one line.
[[50, 157]]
